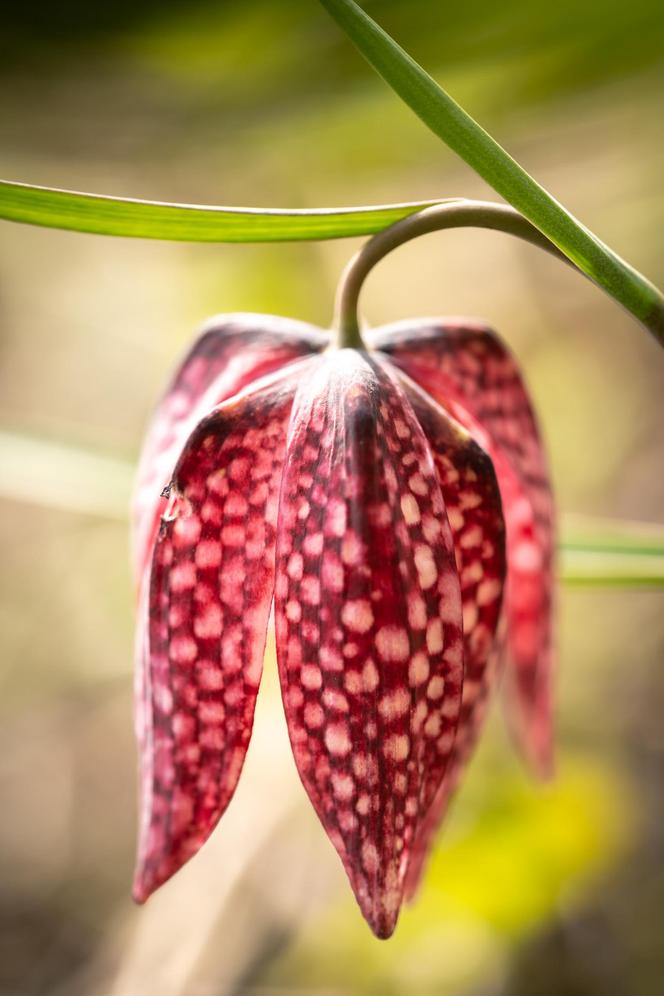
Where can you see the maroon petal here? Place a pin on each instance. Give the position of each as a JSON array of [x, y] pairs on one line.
[[204, 623], [469, 371], [472, 500], [368, 619], [230, 353]]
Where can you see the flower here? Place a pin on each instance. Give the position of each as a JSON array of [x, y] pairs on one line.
[[360, 490]]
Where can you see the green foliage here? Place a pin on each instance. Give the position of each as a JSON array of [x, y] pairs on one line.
[[187, 222], [474, 145], [103, 215]]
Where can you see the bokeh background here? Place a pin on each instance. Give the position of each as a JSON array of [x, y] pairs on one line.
[[556, 890]]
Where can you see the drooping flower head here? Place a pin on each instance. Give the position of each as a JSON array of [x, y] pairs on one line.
[[360, 491]]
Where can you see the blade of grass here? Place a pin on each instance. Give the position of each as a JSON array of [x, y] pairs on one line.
[[101, 215], [474, 145], [620, 569], [56, 475], [600, 535]]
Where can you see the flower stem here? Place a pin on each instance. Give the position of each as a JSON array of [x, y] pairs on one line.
[[476, 147], [460, 213]]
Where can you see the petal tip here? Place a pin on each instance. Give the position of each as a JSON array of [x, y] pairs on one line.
[[140, 891], [383, 929], [148, 879], [382, 920], [535, 742], [543, 764], [380, 901]]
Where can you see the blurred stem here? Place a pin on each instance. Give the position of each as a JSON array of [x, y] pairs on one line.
[[456, 214]]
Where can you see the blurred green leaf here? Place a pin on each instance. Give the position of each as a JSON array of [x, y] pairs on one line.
[[477, 148], [55, 475], [585, 566], [512, 857], [613, 536], [612, 552], [104, 215]]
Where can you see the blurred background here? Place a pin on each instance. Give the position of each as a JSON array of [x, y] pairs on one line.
[[556, 890]]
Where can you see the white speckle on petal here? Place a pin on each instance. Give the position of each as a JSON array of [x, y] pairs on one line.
[[357, 615], [370, 676], [337, 739], [418, 670], [417, 611], [396, 747], [311, 677], [435, 636], [410, 509], [470, 616], [426, 567], [295, 567], [436, 688], [487, 591], [335, 520], [395, 704], [392, 643], [343, 785]]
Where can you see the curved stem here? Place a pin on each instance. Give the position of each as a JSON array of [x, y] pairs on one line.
[[455, 214], [475, 146]]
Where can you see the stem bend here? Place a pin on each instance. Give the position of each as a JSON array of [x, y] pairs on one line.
[[460, 213]]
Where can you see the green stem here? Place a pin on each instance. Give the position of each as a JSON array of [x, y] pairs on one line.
[[456, 214], [483, 154]]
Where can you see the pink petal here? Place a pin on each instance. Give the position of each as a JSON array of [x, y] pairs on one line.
[[202, 633], [467, 369], [472, 499], [230, 353], [368, 619]]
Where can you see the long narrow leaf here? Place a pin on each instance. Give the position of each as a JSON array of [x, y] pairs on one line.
[[103, 215], [56, 475], [472, 143], [602, 535], [620, 569]]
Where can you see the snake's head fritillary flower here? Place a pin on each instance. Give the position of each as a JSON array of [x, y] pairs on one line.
[[360, 492]]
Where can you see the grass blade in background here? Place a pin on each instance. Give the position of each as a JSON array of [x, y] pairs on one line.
[[589, 568], [474, 145]]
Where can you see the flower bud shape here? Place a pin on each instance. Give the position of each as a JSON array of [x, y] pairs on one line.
[[384, 500]]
